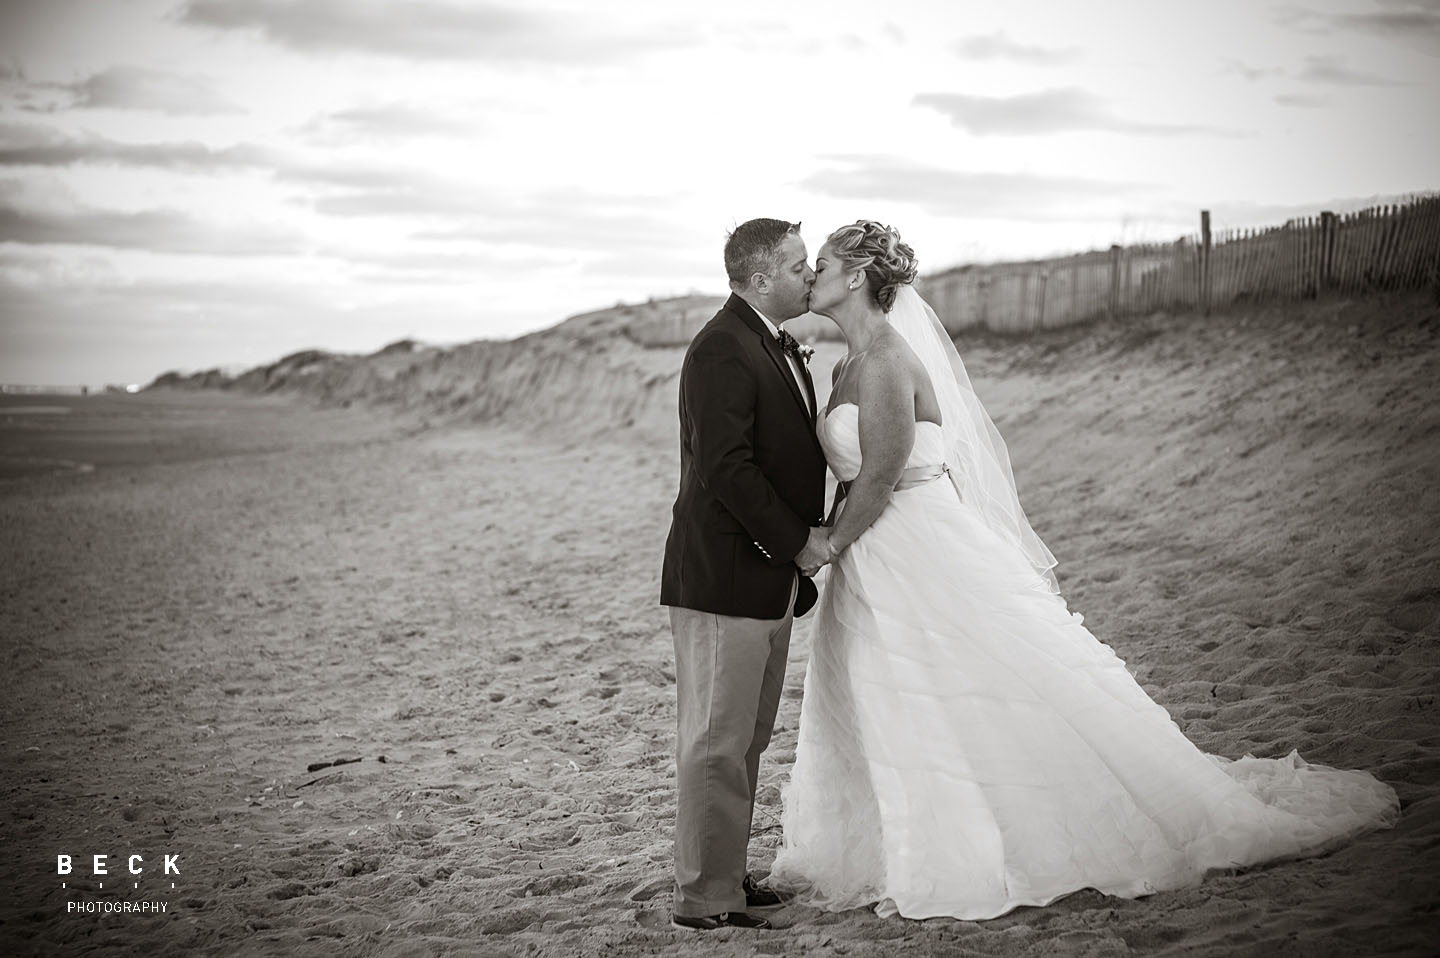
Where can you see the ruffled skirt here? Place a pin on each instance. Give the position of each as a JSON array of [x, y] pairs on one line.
[[967, 746]]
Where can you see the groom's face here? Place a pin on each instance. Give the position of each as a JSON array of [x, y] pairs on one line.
[[789, 285]]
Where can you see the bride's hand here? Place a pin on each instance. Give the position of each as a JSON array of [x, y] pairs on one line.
[[815, 553], [831, 554]]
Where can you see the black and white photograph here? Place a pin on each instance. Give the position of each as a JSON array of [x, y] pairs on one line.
[[545, 478]]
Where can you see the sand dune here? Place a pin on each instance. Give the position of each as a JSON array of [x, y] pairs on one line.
[[457, 573], [621, 362]]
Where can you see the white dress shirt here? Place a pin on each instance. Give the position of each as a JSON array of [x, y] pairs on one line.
[[790, 358]]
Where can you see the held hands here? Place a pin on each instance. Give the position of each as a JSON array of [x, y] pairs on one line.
[[817, 552]]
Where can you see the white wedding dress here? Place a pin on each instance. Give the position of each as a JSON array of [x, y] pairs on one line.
[[967, 746]]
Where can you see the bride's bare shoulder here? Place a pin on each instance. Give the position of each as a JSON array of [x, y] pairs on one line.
[[889, 365], [895, 356]]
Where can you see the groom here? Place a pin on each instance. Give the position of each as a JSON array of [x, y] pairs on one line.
[[747, 517]]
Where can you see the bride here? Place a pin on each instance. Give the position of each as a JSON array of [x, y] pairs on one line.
[[966, 745]]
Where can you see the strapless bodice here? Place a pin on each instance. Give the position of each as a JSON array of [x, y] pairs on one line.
[[839, 432]]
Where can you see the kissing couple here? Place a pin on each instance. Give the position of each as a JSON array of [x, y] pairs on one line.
[[966, 745]]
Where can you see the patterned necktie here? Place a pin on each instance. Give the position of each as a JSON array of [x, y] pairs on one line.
[[790, 344]]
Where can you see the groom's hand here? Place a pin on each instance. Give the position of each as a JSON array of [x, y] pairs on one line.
[[814, 554]]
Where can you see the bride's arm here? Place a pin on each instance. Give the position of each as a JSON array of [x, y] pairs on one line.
[[840, 489], [887, 431]]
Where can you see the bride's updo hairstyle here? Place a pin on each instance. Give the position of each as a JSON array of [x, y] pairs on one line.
[[876, 248]]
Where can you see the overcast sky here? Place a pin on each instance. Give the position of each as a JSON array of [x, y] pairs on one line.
[[195, 183]]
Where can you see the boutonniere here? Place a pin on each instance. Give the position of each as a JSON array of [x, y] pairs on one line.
[[790, 344]]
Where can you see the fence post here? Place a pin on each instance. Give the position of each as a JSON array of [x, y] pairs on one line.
[[1025, 296], [1327, 251], [1205, 262], [1127, 293], [1044, 282], [1114, 280], [1074, 289]]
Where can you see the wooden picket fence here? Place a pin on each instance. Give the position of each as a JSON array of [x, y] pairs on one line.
[[1390, 247], [1382, 248]]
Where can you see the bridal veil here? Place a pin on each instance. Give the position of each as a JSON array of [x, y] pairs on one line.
[[975, 454]]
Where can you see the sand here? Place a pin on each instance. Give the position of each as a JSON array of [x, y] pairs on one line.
[[205, 593]]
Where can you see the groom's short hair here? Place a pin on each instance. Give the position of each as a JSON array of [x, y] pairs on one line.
[[754, 247]]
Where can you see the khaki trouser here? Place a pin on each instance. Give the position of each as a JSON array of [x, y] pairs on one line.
[[729, 672]]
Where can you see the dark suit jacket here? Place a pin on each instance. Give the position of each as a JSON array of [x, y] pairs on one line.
[[752, 474]]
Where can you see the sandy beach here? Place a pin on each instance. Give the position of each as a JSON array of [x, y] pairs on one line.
[[382, 662]]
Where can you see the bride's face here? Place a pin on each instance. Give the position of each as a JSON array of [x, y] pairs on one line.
[[832, 282]]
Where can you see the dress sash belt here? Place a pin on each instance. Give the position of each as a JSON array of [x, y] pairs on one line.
[[919, 475]]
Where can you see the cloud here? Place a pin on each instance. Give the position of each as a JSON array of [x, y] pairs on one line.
[[600, 235], [1030, 114], [948, 192], [355, 189], [462, 211], [371, 190], [574, 219], [1303, 19], [700, 266], [18, 91], [362, 176], [429, 29], [27, 145], [402, 200], [1318, 70], [421, 266], [119, 88], [1405, 18], [104, 329], [331, 189], [1250, 73], [382, 122], [163, 231], [1304, 101], [1331, 70], [997, 46], [1413, 22], [141, 88], [48, 276]]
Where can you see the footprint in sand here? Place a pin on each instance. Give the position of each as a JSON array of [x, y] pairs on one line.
[[1416, 612]]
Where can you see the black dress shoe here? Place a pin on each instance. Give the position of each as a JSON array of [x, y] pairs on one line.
[[726, 919], [758, 895]]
